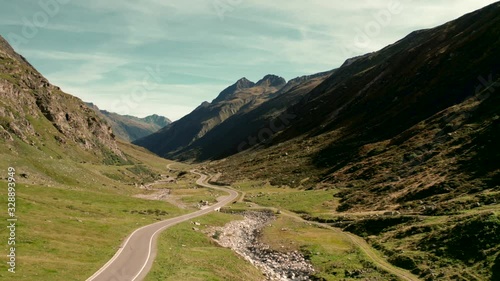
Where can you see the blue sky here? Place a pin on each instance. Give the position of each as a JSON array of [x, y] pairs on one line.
[[167, 57]]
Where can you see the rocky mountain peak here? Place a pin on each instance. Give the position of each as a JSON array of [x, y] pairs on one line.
[[203, 105], [157, 120], [229, 92], [271, 80], [244, 83]]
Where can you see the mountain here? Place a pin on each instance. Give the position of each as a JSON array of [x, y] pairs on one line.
[[409, 132], [131, 128], [157, 120], [72, 182], [428, 99], [270, 115], [242, 96], [36, 113], [230, 91]]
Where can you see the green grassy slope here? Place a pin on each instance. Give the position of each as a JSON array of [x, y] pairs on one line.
[[186, 254], [73, 216]]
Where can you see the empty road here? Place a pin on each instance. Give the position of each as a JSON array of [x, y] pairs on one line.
[[135, 257]]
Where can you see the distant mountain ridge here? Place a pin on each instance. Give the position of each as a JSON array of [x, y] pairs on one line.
[[271, 80], [131, 128], [244, 95], [241, 130]]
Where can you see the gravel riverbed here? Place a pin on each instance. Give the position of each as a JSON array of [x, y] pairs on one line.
[[243, 238]]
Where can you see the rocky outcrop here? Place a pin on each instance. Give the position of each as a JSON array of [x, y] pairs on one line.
[[243, 238]]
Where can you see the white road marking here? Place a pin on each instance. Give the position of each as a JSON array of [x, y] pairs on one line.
[[200, 181]]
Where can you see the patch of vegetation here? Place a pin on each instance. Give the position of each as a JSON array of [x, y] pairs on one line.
[[349, 199], [470, 240], [441, 188], [156, 212], [111, 158], [216, 235], [403, 261], [496, 269], [332, 253], [115, 176], [142, 170], [9, 78], [375, 226]]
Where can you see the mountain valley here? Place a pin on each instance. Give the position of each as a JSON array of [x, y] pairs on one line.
[[384, 168]]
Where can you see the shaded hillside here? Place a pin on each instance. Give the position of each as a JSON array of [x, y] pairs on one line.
[[242, 96], [131, 128], [34, 112]]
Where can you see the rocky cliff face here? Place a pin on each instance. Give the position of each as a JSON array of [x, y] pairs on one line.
[[30, 108]]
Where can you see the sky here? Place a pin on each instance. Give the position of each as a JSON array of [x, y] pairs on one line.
[[143, 57]]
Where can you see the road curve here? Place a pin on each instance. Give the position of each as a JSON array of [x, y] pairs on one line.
[[135, 257]]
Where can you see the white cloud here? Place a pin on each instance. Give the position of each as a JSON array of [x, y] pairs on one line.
[[87, 68], [117, 39], [332, 30]]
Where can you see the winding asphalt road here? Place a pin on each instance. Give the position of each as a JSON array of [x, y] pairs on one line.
[[135, 257]]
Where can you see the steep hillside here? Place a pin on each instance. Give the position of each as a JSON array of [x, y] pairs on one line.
[[39, 114], [242, 96], [131, 128]]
